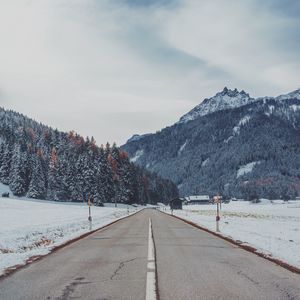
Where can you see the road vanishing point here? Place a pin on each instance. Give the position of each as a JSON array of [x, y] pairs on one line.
[[151, 255]]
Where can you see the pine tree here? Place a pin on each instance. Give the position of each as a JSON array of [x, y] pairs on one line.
[[53, 184], [88, 177], [1, 152], [62, 193], [104, 178], [113, 158], [98, 188], [37, 187], [126, 180], [6, 164], [78, 191], [69, 175], [17, 182]]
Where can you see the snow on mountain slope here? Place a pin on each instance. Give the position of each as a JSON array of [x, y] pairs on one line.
[[230, 99], [182, 147], [241, 123], [230, 138], [292, 95], [245, 169], [137, 137], [222, 100], [138, 154]]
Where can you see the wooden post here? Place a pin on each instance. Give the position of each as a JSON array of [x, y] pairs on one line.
[[218, 217], [90, 215], [217, 201]]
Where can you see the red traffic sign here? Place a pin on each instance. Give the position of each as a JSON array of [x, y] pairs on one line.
[[216, 199]]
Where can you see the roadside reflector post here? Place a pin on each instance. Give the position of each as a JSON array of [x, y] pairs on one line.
[[217, 200], [90, 215]]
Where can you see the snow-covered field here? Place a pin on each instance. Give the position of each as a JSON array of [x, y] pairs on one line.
[[272, 228], [29, 227]]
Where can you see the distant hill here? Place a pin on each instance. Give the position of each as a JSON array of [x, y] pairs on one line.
[[231, 144], [39, 162]]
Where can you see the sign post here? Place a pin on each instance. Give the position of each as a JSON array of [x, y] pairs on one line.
[[217, 200], [90, 215]]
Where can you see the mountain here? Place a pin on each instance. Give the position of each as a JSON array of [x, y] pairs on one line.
[[293, 95], [231, 144], [222, 100], [39, 162]]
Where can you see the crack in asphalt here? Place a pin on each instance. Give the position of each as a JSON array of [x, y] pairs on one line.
[[248, 277], [121, 265]]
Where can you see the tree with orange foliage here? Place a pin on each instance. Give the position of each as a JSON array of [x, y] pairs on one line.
[[93, 144], [114, 166], [31, 133], [40, 153], [123, 155], [53, 159], [71, 135]]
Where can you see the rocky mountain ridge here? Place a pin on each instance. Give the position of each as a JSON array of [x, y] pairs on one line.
[[230, 143]]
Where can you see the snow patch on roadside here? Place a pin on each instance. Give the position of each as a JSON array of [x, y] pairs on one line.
[[273, 228], [30, 228]]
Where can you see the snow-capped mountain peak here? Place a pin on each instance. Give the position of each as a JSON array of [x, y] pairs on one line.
[[137, 137], [223, 100]]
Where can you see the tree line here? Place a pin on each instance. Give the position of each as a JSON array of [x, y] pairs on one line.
[[39, 162]]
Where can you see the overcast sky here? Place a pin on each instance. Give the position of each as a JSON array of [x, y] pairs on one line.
[[113, 68]]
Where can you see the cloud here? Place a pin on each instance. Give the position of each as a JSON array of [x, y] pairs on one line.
[[241, 37], [113, 68]]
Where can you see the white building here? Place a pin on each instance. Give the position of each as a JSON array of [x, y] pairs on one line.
[[199, 199]]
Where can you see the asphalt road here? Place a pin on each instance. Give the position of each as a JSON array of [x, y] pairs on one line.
[[193, 264], [112, 264]]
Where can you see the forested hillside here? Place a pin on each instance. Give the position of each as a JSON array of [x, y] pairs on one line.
[[39, 162], [230, 144]]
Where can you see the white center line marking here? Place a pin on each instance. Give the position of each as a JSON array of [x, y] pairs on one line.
[[151, 265], [151, 270]]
